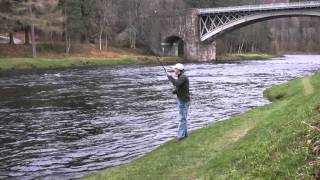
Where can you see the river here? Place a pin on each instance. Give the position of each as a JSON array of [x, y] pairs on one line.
[[64, 124]]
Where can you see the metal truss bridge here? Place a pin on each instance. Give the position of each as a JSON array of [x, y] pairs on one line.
[[216, 21]]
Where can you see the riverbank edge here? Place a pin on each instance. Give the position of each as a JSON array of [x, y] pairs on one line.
[[245, 56], [13, 65], [268, 142]]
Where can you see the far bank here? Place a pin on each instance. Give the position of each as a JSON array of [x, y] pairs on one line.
[[245, 56], [11, 65], [17, 58]]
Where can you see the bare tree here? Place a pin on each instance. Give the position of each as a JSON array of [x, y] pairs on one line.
[[104, 14]]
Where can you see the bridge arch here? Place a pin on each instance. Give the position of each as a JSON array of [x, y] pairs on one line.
[[217, 30], [193, 31], [173, 46]]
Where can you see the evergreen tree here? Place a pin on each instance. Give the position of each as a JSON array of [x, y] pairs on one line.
[[7, 24], [40, 14]]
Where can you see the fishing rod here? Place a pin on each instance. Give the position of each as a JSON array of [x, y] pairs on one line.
[[157, 57]]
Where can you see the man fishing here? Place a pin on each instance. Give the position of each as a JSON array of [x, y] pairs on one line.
[[182, 90]]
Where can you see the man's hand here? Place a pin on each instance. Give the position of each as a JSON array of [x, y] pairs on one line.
[[169, 75]]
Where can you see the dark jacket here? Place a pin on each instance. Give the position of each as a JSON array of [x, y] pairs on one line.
[[182, 87]]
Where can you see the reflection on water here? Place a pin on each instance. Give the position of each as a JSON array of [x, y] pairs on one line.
[[65, 124]]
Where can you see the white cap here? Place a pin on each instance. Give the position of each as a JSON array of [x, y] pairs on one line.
[[178, 66]]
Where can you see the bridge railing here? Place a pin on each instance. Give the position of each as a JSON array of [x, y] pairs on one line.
[[261, 7]]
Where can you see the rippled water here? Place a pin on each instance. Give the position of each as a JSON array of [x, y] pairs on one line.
[[68, 123]]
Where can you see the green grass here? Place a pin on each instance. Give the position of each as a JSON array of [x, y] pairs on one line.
[[264, 143], [246, 56], [16, 64]]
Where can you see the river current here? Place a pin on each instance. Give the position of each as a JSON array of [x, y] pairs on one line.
[[64, 124]]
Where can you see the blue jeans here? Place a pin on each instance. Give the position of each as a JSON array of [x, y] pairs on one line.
[[183, 114]]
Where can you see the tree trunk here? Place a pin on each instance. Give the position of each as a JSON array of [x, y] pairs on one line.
[[66, 34], [33, 42], [230, 50], [106, 43], [240, 49], [66, 42], [27, 35], [100, 38], [68, 45], [51, 39], [132, 40], [11, 40], [253, 48], [83, 39]]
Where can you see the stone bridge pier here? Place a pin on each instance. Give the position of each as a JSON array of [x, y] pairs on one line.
[[191, 33], [178, 35]]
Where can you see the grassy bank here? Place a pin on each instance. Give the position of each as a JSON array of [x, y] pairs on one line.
[[18, 64], [277, 141], [44, 63], [16, 58], [245, 56]]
